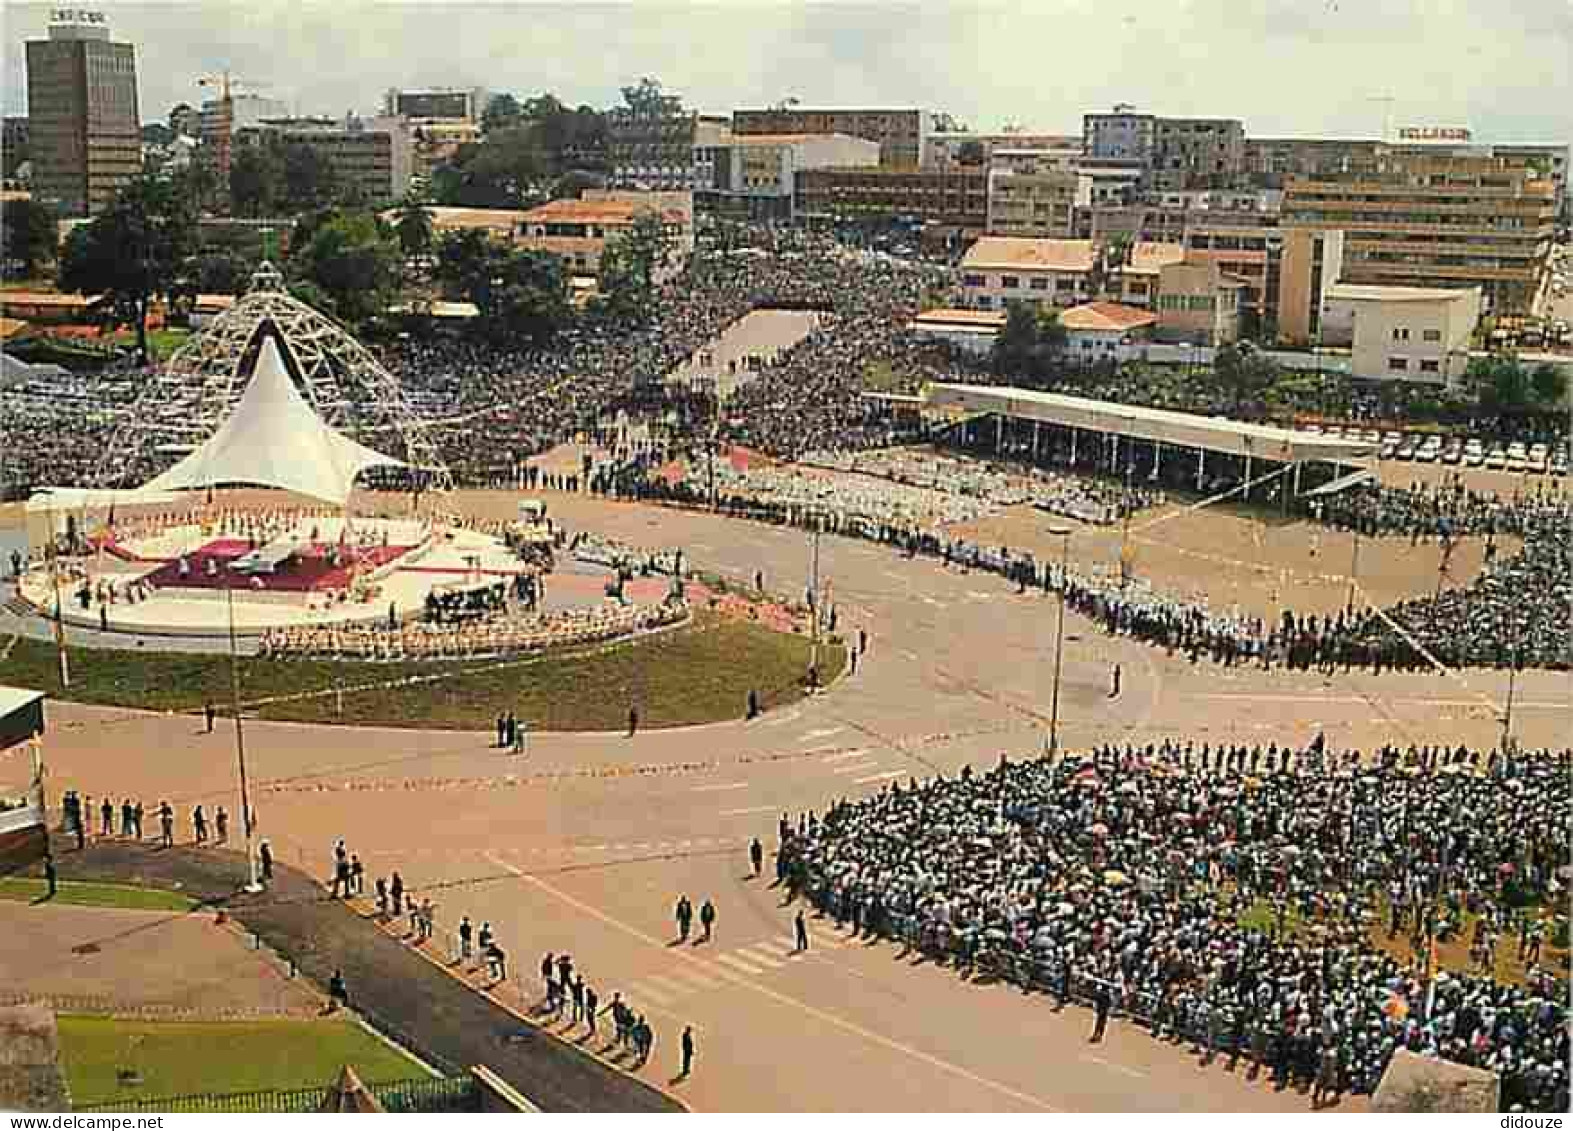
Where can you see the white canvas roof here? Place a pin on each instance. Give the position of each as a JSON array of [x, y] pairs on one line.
[[92, 498], [273, 438], [1182, 429]]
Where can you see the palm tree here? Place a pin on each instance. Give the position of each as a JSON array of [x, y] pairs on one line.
[[413, 227]]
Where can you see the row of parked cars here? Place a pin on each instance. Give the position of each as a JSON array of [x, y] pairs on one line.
[[1518, 457]]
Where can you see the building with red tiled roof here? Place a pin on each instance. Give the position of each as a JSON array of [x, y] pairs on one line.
[[577, 231], [1098, 330]]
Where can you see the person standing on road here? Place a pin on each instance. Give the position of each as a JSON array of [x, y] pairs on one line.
[[633, 721], [756, 856], [591, 1002], [106, 813], [51, 876], [199, 824], [685, 917], [207, 714], [221, 826], [688, 1052], [800, 926], [166, 822], [1101, 1001], [466, 937], [576, 991], [1114, 685], [546, 972], [707, 918], [265, 855]]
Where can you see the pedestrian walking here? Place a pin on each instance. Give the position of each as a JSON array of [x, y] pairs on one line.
[[502, 733], [382, 897], [688, 1051], [590, 1004], [496, 963], [707, 918], [396, 891], [199, 823], [466, 937], [520, 729], [576, 991], [166, 821], [338, 992], [862, 641], [1114, 685], [207, 714], [547, 964], [265, 855], [800, 926], [756, 856], [127, 818], [357, 875], [221, 826], [136, 819], [633, 721], [684, 914], [106, 818], [51, 876]]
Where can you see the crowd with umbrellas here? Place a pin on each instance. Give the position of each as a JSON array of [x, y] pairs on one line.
[[1266, 903]]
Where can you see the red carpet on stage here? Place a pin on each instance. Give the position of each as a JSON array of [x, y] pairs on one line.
[[310, 572]]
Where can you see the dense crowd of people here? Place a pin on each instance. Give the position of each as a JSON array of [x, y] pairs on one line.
[[1281, 904]]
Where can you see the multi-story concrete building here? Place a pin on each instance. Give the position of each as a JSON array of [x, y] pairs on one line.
[[435, 104], [246, 110], [1173, 153], [957, 201], [1197, 153], [578, 231], [1198, 303], [1417, 334], [902, 134], [1270, 161], [1444, 220], [1310, 264], [757, 173], [1028, 201], [85, 133], [650, 146], [13, 144], [374, 157], [951, 150], [1000, 270]]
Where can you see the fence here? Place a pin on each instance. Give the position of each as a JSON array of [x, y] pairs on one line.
[[445, 1094]]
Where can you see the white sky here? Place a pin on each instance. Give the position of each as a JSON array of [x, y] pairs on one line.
[[1287, 67]]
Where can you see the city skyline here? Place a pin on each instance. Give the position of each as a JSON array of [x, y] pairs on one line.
[[1499, 69]]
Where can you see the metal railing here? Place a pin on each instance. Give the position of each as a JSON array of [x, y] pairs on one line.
[[420, 1094]]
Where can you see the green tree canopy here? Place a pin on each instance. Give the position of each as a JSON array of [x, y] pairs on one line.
[[517, 294], [1016, 345], [256, 181], [413, 227], [132, 252], [630, 264], [502, 112], [1550, 385], [309, 180], [353, 257]]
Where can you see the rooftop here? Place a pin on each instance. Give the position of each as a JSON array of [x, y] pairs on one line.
[[1108, 316], [1373, 292], [588, 211], [1021, 252], [1149, 257], [956, 316]]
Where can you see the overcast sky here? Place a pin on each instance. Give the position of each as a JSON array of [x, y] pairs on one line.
[[1287, 67]]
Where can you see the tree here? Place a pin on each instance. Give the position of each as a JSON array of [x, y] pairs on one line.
[[353, 257], [1550, 385], [309, 180], [1052, 335], [1016, 345], [502, 112], [1244, 373], [636, 255], [1502, 385], [157, 133], [516, 293], [413, 227], [131, 252], [30, 236], [256, 181]]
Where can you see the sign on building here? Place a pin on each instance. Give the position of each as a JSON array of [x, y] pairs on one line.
[[1433, 133]]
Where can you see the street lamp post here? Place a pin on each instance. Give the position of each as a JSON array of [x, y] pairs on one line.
[[1064, 534], [252, 884]]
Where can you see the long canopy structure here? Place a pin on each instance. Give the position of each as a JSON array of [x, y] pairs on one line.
[[274, 439], [1177, 429]]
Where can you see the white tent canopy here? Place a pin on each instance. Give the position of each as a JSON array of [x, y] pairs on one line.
[[273, 438]]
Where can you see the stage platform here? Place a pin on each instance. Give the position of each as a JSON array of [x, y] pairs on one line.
[[308, 590]]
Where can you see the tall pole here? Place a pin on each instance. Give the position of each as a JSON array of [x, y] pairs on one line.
[[252, 884], [1059, 645], [813, 605], [60, 609], [1354, 566]]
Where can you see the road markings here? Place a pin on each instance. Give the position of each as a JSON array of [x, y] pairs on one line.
[[746, 812], [861, 752], [820, 732], [1126, 1069], [786, 1000], [886, 776], [855, 767], [720, 788], [759, 955], [739, 964]]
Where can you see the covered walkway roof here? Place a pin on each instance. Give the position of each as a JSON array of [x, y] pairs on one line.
[[1181, 429]]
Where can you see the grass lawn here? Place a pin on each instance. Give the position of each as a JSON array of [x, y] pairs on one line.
[[181, 1058], [700, 672], [30, 890]]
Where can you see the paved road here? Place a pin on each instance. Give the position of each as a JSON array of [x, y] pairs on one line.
[[586, 844], [397, 990]]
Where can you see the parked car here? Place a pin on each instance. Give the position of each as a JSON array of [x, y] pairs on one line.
[[1453, 451]]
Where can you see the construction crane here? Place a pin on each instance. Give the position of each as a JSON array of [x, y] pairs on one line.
[[225, 83]]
